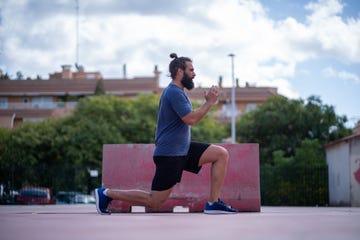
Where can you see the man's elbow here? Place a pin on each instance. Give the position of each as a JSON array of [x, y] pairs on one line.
[[190, 122]]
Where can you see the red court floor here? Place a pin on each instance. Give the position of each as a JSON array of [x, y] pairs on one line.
[[79, 222]]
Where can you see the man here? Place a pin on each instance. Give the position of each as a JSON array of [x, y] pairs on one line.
[[174, 152]]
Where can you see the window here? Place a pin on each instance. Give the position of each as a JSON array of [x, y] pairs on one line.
[[251, 107], [26, 103], [42, 102], [227, 110], [90, 76], [3, 102], [33, 119]]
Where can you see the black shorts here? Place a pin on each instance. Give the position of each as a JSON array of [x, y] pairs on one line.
[[169, 169]]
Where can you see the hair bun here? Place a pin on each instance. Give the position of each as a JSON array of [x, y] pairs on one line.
[[173, 55]]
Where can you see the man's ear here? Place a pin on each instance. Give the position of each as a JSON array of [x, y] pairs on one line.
[[180, 71]]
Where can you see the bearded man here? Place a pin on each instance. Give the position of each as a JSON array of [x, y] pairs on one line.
[[174, 151]]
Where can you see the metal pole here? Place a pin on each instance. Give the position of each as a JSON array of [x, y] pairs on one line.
[[233, 108], [77, 31]]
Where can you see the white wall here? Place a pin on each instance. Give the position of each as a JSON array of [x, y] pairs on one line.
[[355, 172], [337, 158]]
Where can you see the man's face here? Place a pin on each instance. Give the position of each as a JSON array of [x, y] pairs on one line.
[[188, 77]]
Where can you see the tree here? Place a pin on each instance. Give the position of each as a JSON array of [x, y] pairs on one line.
[[282, 124], [296, 180], [19, 75], [4, 138], [4, 76], [208, 130], [322, 121], [58, 153], [100, 89], [291, 134]]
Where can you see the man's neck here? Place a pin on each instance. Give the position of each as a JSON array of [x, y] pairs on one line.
[[178, 83]]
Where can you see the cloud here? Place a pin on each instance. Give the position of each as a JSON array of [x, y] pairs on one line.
[[335, 36], [344, 75], [324, 35], [283, 85], [140, 7], [39, 36]]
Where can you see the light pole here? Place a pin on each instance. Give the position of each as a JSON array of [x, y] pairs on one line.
[[233, 108]]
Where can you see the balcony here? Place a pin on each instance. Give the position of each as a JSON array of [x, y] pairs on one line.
[[42, 105]]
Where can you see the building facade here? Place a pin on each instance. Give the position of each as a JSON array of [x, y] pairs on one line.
[[35, 100], [343, 160]]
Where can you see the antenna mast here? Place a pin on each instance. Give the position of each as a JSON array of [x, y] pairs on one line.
[[77, 31]]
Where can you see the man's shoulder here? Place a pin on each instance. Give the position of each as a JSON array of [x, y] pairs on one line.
[[173, 87], [172, 90]]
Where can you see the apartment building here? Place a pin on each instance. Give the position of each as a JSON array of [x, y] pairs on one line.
[[36, 100], [247, 98]]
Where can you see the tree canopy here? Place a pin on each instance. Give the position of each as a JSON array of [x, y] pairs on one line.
[[291, 135], [60, 152], [282, 124]]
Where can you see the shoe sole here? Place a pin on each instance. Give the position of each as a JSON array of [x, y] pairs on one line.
[[218, 212], [97, 203]]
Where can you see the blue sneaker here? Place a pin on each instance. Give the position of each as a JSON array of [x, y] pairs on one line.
[[219, 207], [102, 201]]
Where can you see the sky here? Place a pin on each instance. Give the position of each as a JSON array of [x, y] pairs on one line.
[[302, 47]]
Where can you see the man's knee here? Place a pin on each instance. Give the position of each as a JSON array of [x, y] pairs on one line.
[[223, 154], [155, 204], [157, 199]]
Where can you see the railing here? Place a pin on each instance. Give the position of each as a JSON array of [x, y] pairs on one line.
[[45, 105]]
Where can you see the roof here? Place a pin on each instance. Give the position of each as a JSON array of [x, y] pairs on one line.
[[247, 94], [60, 87], [341, 140]]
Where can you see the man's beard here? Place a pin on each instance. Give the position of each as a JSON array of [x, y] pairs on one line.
[[187, 82]]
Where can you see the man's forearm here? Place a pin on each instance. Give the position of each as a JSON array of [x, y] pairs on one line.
[[196, 115]]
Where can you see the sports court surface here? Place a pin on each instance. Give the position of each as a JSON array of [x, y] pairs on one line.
[[70, 222]]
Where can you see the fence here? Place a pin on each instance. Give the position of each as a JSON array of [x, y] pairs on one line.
[[280, 186], [55, 177], [294, 186]]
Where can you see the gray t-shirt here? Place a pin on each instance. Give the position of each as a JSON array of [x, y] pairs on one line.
[[172, 137]]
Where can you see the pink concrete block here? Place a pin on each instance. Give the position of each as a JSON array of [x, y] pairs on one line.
[[130, 166]]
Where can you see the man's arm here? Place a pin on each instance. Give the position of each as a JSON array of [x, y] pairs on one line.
[[196, 115]]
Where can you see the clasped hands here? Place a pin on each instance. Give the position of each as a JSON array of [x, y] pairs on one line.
[[212, 95]]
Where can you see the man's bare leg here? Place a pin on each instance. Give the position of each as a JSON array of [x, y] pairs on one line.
[[218, 156], [153, 199]]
